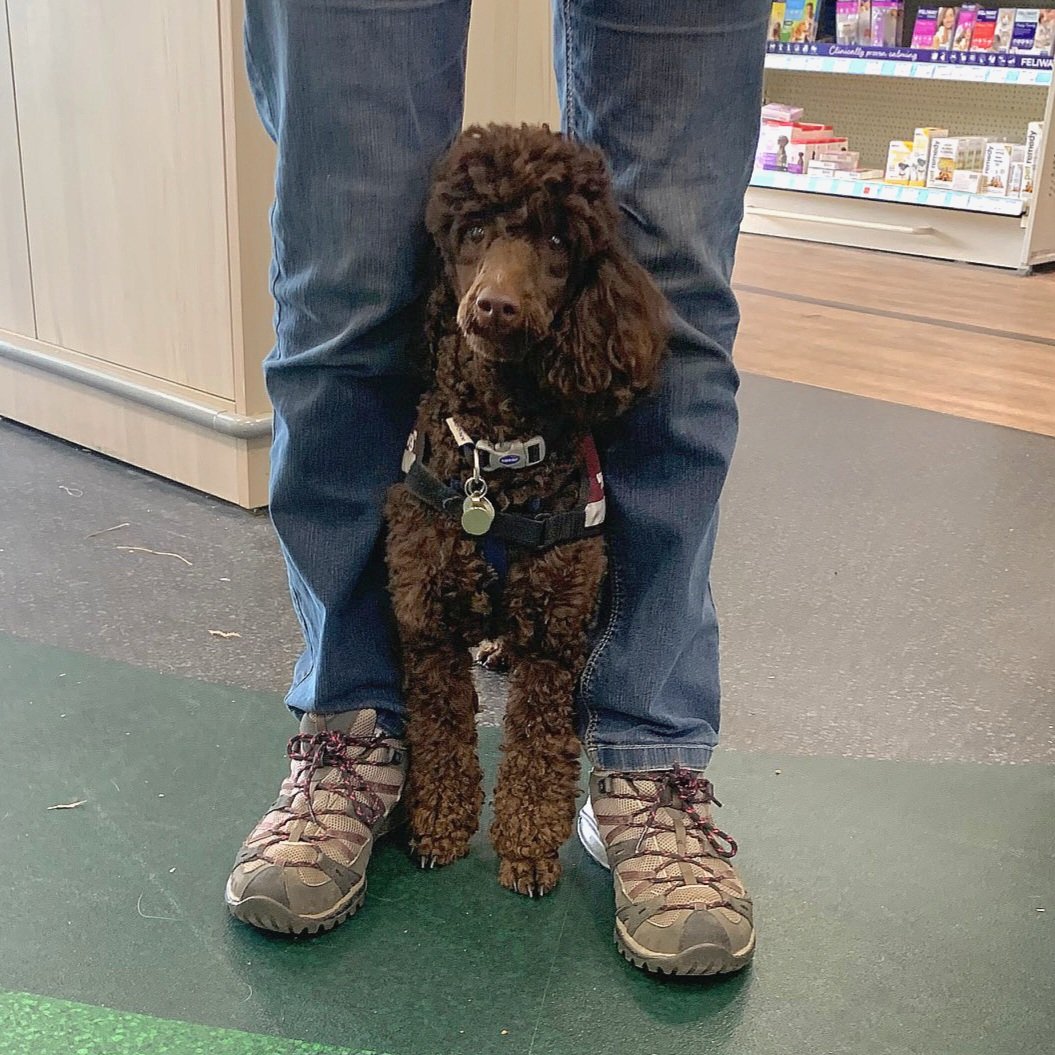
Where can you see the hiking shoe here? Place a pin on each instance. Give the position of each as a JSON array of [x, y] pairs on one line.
[[680, 907], [303, 867]]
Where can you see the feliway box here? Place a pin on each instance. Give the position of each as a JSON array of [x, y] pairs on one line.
[[1024, 35], [984, 29]]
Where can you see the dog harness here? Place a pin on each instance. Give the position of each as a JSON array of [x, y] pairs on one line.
[[470, 506]]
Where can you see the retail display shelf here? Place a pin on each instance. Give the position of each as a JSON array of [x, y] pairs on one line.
[[978, 67], [876, 190]]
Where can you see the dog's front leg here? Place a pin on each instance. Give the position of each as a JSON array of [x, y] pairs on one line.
[[550, 600], [535, 794], [445, 782]]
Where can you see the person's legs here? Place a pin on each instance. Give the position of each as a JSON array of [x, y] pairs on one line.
[[670, 90], [361, 98]]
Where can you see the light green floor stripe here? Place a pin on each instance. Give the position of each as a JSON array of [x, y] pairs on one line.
[[36, 1025]]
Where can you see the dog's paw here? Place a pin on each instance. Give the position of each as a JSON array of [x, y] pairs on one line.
[[491, 656], [432, 850], [534, 876]]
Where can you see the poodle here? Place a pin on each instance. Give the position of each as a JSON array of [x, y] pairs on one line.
[[539, 328]]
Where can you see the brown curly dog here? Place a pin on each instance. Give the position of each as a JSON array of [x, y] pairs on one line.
[[539, 325]]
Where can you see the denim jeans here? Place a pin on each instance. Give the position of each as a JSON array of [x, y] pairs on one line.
[[361, 97]]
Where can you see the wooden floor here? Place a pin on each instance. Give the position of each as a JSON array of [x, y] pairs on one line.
[[959, 339]]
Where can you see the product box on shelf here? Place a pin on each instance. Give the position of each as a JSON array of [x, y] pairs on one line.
[[781, 112], [1034, 31], [852, 21], [1044, 41], [921, 141], [924, 27], [1005, 29], [887, 20], [800, 21], [951, 154], [996, 168], [945, 29], [1034, 135], [984, 29], [1015, 180], [965, 27], [776, 22], [970, 182], [899, 162]]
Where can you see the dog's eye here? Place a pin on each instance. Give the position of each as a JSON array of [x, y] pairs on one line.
[[556, 241], [475, 233]]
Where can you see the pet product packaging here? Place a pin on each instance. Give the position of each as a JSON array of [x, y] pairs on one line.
[[951, 154], [921, 141], [899, 162], [776, 22], [1024, 35], [839, 159], [1034, 134], [1005, 29], [1015, 180], [852, 18], [924, 26], [861, 174], [945, 31], [996, 168], [887, 19], [1044, 41], [781, 112], [800, 21], [965, 27], [984, 29], [971, 182], [797, 156]]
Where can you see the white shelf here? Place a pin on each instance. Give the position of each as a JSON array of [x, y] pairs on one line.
[[977, 67], [876, 190]]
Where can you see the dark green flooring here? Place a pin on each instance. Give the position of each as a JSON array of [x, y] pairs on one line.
[[898, 904]]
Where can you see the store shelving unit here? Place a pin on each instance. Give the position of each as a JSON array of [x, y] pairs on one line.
[[875, 95]]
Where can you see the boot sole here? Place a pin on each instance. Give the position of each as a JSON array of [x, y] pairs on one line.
[[696, 962], [265, 913]]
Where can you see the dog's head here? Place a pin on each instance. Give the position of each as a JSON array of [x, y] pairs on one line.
[[526, 226]]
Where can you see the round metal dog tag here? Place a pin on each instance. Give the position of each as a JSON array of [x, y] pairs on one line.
[[477, 515]]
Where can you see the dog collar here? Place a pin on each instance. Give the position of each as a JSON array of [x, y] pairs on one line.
[[508, 454]]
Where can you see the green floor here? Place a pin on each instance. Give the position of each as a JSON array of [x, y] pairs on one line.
[[899, 904]]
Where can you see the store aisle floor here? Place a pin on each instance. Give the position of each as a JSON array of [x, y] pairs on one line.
[[885, 581]]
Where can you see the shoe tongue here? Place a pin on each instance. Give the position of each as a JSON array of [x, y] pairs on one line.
[[354, 723]]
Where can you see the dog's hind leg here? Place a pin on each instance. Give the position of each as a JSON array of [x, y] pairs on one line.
[[445, 782], [550, 600]]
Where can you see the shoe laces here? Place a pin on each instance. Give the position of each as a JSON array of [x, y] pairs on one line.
[[344, 754], [689, 793]]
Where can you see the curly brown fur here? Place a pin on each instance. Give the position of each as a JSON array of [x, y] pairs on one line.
[[539, 322]]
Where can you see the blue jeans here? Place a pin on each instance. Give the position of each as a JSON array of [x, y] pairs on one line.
[[361, 97]]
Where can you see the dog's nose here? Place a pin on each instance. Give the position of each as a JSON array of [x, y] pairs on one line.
[[493, 307]]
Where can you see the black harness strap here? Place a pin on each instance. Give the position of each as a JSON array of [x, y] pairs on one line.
[[537, 532]]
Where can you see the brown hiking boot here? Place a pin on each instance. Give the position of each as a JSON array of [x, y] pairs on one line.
[[680, 907], [303, 867]]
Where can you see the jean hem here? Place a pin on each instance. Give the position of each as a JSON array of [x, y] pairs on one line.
[[644, 758], [389, 712]]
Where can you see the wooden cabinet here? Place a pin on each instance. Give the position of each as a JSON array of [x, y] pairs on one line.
[[135, 181]]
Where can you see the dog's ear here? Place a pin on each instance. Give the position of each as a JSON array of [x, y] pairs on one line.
[[609, 344]]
